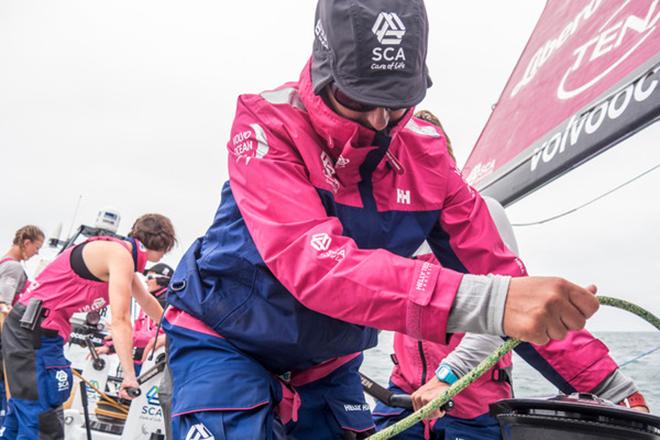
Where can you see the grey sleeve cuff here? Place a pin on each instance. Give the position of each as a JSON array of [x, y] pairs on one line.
[[470, 352], [479, 305], [616, 387]]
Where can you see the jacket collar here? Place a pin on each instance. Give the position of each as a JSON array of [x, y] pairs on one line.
[[342, 137]]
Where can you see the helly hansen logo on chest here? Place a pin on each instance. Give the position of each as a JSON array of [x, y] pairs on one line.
[[403, 196]]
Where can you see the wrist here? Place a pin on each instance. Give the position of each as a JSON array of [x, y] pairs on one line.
[[129, 378], [445, 374]]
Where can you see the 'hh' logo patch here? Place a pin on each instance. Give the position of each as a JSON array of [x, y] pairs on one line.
[[403, 196]]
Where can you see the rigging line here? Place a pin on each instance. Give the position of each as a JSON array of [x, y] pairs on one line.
[[638, 357], [605, 194]]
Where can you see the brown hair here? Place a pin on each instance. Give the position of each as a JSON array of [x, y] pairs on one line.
[[155, 231], [427, 116], [28, 232]]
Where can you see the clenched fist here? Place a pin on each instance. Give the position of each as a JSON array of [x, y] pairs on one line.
[[542, 308]]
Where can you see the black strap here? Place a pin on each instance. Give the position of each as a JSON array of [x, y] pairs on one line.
[[500, 375], [134, 253], [78, 264], [160, 325]]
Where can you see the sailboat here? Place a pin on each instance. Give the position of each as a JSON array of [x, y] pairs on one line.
[[588, 78]]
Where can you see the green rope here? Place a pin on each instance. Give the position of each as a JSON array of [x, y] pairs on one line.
[[632, 308], [486, 365]]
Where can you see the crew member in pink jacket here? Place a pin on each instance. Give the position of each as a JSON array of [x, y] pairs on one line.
[[425, 369], [84, 278], [146, 332], [333, 186]]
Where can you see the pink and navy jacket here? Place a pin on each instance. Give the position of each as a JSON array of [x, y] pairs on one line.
[[311, 248], [64, 293]]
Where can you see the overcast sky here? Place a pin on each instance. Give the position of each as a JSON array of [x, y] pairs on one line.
[[129, 104]]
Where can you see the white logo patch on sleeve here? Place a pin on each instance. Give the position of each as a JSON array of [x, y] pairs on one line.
[[321, 242], [62, 380], [250, 143]]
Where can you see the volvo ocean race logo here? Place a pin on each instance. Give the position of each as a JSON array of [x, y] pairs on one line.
[[98, 304], [250, 143], [389, 31], [479, 171]]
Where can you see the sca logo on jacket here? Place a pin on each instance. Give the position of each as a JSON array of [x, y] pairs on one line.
[[199, 432], [62, 380]]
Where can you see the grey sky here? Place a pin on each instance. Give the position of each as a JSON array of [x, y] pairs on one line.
[[129, 104]]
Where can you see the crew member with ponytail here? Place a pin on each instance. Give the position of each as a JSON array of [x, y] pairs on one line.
[[27, 242], [83, 278]]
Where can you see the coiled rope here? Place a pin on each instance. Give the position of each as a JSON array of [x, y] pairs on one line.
[[487, 364]]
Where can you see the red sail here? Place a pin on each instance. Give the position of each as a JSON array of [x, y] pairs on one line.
[[587, 79]]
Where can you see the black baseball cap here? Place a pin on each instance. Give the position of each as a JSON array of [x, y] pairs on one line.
[[373, 50], [160, 269]]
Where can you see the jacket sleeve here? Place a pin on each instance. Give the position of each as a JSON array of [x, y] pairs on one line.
[[306, 250], [580, 362], [12, 280]]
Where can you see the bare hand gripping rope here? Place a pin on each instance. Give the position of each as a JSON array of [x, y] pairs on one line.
[[487, 364]]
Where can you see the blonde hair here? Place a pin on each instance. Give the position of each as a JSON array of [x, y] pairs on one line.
[[429, 117], [28, 232]]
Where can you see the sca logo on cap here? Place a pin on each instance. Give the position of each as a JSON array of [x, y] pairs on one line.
[[389, 30]]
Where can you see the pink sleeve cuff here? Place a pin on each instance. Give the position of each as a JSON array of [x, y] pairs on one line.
[[431, 296]]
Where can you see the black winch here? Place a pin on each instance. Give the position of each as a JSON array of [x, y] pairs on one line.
[[574, 417]]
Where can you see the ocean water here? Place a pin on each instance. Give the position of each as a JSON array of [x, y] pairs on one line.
[[623, 346]]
